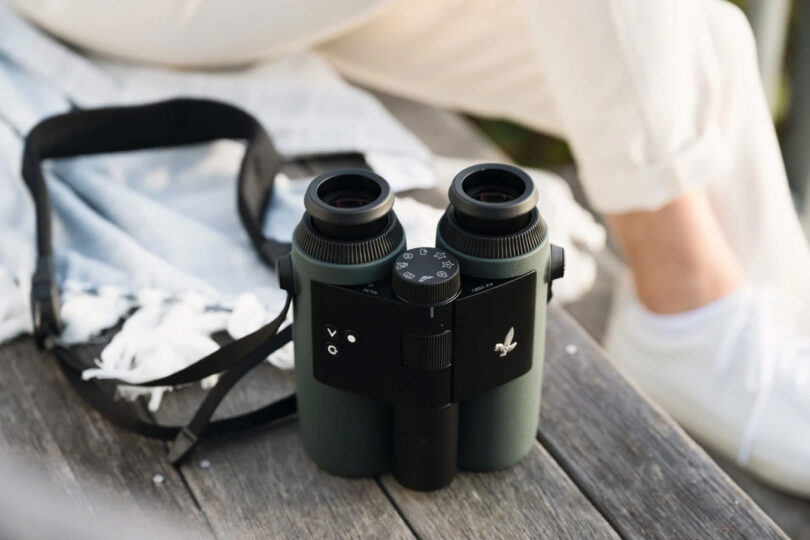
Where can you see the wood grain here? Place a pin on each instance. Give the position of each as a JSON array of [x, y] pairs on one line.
[[263, 485], [629, 458], [444, 132], [791, 513], [533, 499], [46, 428]]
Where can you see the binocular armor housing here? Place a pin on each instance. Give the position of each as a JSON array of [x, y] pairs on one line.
[[426, 360]]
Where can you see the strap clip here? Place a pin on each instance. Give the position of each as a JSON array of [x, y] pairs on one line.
[[182, 445], [44, 303]]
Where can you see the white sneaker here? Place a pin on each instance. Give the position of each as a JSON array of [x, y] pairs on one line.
[[735, 374]]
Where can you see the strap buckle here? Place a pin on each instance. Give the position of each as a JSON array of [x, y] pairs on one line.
[[182, 445], [44, 303]]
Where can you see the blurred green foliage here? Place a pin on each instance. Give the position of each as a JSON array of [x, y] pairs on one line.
[[526, 147]]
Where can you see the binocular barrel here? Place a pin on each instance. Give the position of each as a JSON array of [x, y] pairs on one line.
[[348, 236], [445, 401], [493, 227]]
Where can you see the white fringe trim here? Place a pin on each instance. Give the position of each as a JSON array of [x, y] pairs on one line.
[[165, 335], [162, 335], [15, 305]]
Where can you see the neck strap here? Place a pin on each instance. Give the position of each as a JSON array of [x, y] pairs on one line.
[[115, 129], [160, 125]]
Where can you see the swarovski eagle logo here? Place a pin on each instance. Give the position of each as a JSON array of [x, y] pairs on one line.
[[507, 346]]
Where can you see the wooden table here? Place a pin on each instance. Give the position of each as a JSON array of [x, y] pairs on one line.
[[607, 463]]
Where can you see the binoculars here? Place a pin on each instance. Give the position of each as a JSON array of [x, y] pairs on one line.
[[425, 360]]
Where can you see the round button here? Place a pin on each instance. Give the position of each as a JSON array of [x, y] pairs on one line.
[[351, 337], [332, 349]]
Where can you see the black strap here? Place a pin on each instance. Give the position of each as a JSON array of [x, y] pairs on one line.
[[164, 124], [99, 395], [114, 129]]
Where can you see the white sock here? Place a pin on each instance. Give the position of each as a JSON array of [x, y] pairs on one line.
[[688, 321]]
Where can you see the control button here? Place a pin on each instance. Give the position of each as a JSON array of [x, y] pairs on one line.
[[332, 349], [331, 330], [351, 337], [427, 352]]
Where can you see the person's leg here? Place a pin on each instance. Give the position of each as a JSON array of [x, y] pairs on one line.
[[752, 199], [678, 256], [471, 55], [749, 205]]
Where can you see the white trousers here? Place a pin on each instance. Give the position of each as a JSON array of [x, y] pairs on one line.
[[655, 98]]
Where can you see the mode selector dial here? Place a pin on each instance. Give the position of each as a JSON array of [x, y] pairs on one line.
[[426, 276]]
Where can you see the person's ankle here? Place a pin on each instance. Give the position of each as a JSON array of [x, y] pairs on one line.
[[679, 255], [679, 293]]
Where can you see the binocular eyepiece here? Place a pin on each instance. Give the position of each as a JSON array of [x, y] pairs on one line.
[[349, 219], [420, 360], [349, 204], [493, 199]]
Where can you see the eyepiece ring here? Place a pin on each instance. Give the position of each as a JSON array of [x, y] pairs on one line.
[[493, 191], [348, 197]]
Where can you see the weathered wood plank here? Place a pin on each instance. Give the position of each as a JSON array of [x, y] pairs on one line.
[[631, 460], [263, 485], [444, 132], [281, 493], [792, 514], [533, 499], [45, 426]]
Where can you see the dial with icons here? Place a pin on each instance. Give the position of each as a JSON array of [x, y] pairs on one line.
[[426, 276]]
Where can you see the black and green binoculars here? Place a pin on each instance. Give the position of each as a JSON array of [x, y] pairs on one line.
[[425, 360]]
